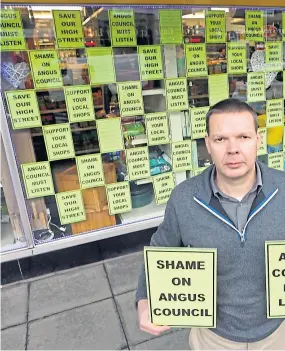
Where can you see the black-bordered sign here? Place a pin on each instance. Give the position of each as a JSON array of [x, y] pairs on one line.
[[275, 278], [181, 286]]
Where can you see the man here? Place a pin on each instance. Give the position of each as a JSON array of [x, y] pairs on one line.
[[234, 206]]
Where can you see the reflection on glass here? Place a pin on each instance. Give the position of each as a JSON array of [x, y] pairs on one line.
[[193, 21], [11, 228], [217, 58]]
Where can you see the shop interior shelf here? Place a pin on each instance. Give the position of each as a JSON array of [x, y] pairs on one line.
[[198, 96], [139, 140], [153, 92], [79, 152], [73, 66], [48, 89], [45, 44], [82, 129], [147, 212], [58, 110], [143, 181]]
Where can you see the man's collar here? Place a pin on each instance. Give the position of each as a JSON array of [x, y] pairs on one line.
[[256, 186], [204, 190]]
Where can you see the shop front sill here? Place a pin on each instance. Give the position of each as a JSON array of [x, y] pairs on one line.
[[143, 213]]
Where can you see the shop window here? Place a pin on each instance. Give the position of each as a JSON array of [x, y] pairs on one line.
[[106, 105]]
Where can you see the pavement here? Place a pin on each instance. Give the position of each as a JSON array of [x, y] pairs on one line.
[[90, 307]]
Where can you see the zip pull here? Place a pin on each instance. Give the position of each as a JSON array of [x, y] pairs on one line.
[[242, 239]]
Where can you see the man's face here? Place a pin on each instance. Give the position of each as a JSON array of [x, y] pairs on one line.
[[233, 143]]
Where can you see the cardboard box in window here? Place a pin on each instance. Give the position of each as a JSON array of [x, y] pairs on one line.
[[95, 199]]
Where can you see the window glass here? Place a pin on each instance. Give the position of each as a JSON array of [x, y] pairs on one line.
[[12, 235], [106, 105]]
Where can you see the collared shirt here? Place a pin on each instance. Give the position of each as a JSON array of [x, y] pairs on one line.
[[237, 210]]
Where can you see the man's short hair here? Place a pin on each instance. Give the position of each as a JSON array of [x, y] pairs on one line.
[[230, 105]]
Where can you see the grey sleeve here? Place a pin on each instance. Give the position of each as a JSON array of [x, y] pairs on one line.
[[167, 235]]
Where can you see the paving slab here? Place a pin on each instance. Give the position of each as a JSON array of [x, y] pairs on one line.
[[123, 272], [92, 327], [14, 338], [14, 305], [67, 290], [128, 314], [177, 340]]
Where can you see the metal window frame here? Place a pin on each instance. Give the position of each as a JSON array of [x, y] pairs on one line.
[[13, 168], [216, 3]]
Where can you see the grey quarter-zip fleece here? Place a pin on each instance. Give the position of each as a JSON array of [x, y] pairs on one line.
[[194, 217]]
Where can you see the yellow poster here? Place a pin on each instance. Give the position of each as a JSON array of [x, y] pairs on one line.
[[90, 171], [119, 197], [101, 65], [274, 112], [138, 163], [157, 128], [181, 156], [254, 25], [263, 148], [163, 185], [237, 62], [215, 26], [256, 87], [130, 98], [70, 207], [196, 60], [276, 160], [58, 141], [110, 135], [37, 179], [68, 29], [176, 92], [23, 109], [11, 30], [198, 122], [218, 88], [45, 67], [170, 24], [181, 286], [274, 56], [275, 278], [79, 103], [123, 31], [150, 61]]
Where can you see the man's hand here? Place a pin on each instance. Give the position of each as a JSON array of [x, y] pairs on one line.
[[144, 322]]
